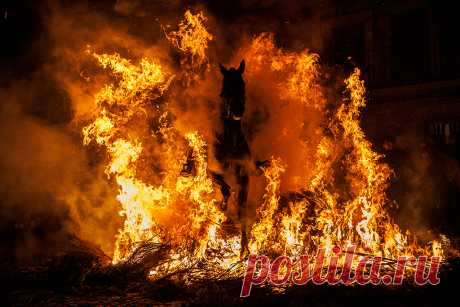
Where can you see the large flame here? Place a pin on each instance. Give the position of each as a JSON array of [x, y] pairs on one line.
[[192, 37], [341, 201]]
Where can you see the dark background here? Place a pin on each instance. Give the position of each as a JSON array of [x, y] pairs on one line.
[[409, 52]]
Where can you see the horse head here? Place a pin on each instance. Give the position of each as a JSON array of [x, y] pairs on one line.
[[233, 89]]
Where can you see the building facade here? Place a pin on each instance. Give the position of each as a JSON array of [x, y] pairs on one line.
[[409, 52]]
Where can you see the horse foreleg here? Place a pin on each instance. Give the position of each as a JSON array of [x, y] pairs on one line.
[[243, 183]]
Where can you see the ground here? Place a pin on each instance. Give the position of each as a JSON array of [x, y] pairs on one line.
[[62, 285]]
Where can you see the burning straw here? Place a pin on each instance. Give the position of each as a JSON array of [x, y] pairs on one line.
[[174, 226]]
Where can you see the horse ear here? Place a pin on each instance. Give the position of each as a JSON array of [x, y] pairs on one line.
[[241, 67], [223, 70]]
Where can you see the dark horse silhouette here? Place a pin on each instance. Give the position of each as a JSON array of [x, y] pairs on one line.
[[231, 147]]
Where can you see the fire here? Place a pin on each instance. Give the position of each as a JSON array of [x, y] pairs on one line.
[[362, 218], [262, 230], [298, 71], [192, 39], [160, 202], [192, 36], [117, 106]]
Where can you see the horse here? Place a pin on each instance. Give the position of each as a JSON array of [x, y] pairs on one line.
[[231, 147]]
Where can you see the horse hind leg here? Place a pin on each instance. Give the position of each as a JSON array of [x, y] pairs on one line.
[[224, 189], [243, 184]]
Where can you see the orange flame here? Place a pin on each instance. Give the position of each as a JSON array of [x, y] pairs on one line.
[[325, 211], [192, 37]]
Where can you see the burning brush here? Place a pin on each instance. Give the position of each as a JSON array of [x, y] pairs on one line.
[[174, 200]]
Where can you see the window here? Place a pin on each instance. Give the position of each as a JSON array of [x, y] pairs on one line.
[[348, 42], [444, 132], [410, 48], [448, 32]]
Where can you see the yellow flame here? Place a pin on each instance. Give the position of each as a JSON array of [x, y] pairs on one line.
[[325, 212], [192, 36]]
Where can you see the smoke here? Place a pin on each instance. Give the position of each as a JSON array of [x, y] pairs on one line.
[[425, 185], [52, 186], [49, 187]]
